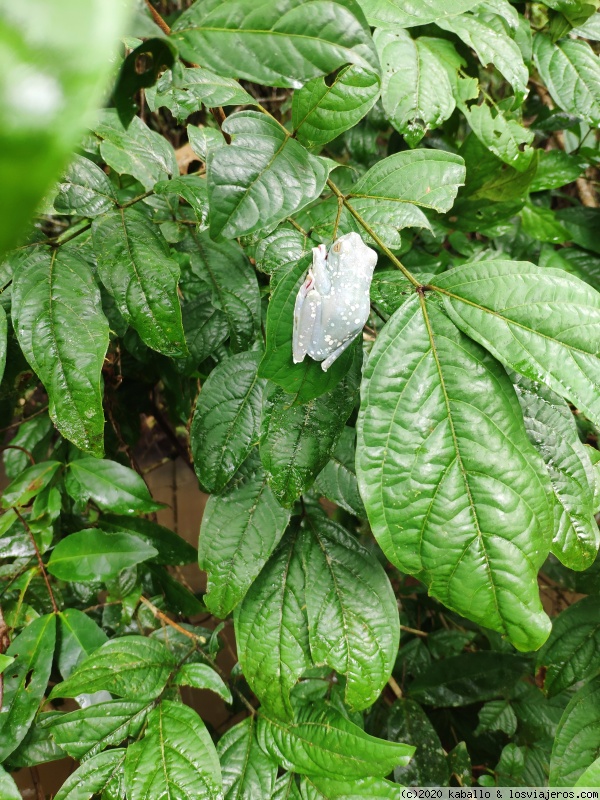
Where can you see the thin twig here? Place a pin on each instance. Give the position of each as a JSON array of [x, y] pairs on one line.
[[158, 19], [163, 617], [394, 687], [413, 630], [18, 447], [39, 559]]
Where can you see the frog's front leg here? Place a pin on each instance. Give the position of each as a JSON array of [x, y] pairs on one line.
[[320, 270], [337, 353]]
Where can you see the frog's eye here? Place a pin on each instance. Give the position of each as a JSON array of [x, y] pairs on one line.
[[336, 247]]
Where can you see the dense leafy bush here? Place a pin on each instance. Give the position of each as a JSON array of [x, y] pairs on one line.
[[455, 444]]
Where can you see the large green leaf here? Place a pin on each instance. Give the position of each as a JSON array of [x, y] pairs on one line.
[[351, 610], [184, 90], [572, 652], [111, 486], [58, 319], [321, 741], [26, 681], [240, 529], [571, 71], [317, 787], [577, 742], [405, 13], [84, 190], [543, 323], [226, 271], [493, 45], [77, 637], [172, 549], [322, 111], [431, 487], [248, 772], [8, 788], [201, 676], [56, 58], [29, 483], [271, 630], [468, 678], [135, 266], [226, 422], [497, 715], [504, 137], [282, 44], [176, 758], [416, 91], [93, 776], [591, 776], [92, 554], [407, 722], [297, 440], [32, 435], [305, 380], [85, 732], [135, 150], [392, 193], [249, 181], [553, 431], [133, 667], [337, 480]]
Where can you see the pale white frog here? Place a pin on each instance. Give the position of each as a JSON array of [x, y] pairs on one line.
[[332, 305]]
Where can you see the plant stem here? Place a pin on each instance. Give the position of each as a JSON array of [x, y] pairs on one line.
[[39, 559]]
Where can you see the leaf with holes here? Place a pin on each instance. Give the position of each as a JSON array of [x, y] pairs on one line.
[[429, 485]]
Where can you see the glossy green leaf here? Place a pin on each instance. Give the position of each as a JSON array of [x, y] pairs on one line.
[[497, 715], [396, 188], [318, 787], [112, 486], [492, 45], [406, 13], [468, 678], [93, 776], [337, 480], [416, 91], [571, 71], [248, 772], [135, 150], [352, 613], [63, 333], [229, 276], [194, 191], [205, 328], [171, 548], [297, 440], [542, 224], [553, 431], [37, 747], [86, 732], [582, 225], [201, 676], [577, 742], [407, 722], [555, 169], [176, 757], [135, 266], [459, 763], [285, 44], [29, 483], [8, 788], [56, 59], [505, 137], [272, 660], [249, 186], [572, 652], [277, 252], [430, 488], [92, 554], [320, 112], [185, 90], [226, 422], [133, 667], [305, 380], [286, 788], [240, 529], [591, 776], [32, 435], [77, 637], [320, 741], [84, 190], [202, 140], [548, 329], [26, 681]]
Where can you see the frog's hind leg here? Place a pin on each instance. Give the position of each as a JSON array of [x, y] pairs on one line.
[[337, 353], [307, 323]]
